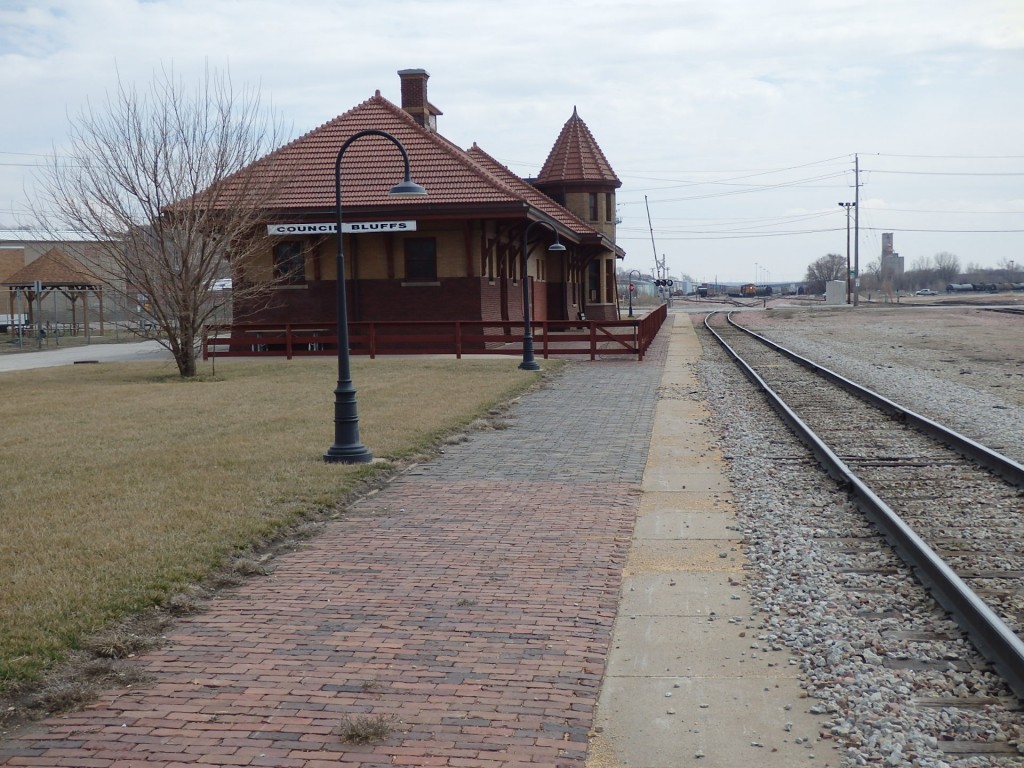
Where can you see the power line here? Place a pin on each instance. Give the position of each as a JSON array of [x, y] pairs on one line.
[[701, 235], [944, 212], [746, 174], [747, 189], [948, 173], [952, 157], [953, 231]]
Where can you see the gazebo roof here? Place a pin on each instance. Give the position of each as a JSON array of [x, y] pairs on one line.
[[54, 269]]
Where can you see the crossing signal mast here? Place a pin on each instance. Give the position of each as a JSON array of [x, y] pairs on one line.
[[662, 281]]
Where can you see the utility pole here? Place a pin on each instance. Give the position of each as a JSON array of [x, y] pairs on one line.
[[849, 276], [856, 230]]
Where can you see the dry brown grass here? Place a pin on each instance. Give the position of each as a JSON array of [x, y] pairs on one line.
[[367, 729], [122, 484]]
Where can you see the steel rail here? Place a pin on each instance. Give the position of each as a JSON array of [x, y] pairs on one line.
[[1005, 467], [989, 634]]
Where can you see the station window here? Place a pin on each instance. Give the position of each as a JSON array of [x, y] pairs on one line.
[[609, 207], [420, 259], [593, 207], [289, 262]]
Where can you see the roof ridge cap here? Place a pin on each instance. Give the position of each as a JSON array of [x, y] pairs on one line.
[[376, 98], [533, 191]]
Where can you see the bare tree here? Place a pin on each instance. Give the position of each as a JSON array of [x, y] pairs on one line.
[[922, 264], [871, 275], [947, 267], [823, 270], [1009, 268], [154, 177]]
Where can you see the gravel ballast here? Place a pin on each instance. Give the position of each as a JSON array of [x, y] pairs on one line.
[[892, 674]]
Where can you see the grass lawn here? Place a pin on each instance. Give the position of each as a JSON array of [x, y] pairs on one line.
[[122, 484]]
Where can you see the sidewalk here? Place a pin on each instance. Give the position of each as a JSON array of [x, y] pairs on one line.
[[133, 351], [474, 602]]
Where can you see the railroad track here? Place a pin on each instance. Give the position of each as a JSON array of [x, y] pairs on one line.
[[1006, 310], [949, 506]]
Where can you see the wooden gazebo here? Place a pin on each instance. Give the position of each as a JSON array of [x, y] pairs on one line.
[[55, 271]]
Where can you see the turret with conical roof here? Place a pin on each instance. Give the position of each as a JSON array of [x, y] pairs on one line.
[[578, 176]]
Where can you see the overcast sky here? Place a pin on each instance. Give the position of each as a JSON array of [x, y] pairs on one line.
[[733, 122]]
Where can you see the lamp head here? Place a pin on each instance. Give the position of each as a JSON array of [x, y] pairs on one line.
[[557, 245], [407, 188]]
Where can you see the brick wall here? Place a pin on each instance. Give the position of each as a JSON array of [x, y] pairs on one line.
[[462, 298], [601, 312], [450, 299], [312, 302], [490, 299]]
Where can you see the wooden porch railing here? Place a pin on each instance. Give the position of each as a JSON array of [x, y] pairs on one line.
[[552, 338]]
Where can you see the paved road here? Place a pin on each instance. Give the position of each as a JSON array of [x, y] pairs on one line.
[[56, 356]]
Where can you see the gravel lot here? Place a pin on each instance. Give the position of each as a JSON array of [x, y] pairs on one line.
[[846, 608], [961, 366]]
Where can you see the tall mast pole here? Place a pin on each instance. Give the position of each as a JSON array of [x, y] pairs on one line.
[[856, 230]]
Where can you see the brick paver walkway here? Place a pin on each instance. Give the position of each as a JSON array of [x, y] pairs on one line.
[[472, 600]]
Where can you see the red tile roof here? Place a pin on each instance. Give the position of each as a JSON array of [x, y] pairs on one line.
[[372, 165], [453, 178], [576, 157]]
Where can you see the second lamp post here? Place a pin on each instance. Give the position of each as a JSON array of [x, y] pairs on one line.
[[529, 362]]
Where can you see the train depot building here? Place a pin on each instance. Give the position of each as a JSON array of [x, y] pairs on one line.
[[456, 253]]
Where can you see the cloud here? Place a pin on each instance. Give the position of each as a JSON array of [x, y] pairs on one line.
[[689, 91]]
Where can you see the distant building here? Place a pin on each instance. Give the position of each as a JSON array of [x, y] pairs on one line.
[[891, 263]]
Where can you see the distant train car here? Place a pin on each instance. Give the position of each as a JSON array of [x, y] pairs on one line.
[[748, 290], [983, 287]]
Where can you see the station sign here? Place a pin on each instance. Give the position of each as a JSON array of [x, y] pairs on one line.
[[329, 228]]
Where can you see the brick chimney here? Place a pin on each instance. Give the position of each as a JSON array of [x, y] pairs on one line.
[[414, 98]]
